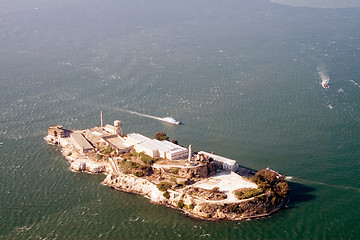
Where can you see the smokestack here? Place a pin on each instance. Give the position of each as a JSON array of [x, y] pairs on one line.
[[101, 119], [190, 154]]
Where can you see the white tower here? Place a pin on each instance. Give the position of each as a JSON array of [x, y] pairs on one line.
[[190, 153], [117, 125]]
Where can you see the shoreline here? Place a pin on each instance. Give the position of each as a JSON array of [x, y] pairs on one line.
[[200, 187]]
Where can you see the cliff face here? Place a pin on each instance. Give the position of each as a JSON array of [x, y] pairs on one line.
[[130, 183], [190, 204]]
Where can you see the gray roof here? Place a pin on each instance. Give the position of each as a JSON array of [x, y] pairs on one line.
[[116, 141], [81, 140]]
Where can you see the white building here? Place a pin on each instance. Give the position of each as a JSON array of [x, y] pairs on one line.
[[135, 138], [156, 148], [225, 163], [116, 129]]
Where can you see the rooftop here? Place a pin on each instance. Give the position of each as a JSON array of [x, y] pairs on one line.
[[116, 141], [81, 140]]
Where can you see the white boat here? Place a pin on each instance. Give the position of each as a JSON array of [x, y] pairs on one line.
[[171, 120], [325, 84]]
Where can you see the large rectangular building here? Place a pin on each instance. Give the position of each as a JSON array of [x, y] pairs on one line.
[[80, 142], [156, 148]]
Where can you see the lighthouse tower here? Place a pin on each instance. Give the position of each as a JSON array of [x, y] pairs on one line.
[[118, 129]]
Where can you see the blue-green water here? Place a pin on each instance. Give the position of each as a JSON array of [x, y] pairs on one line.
[[242, 75]]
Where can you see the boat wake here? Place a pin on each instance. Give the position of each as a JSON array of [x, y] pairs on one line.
[[137, 113], [304, 181]]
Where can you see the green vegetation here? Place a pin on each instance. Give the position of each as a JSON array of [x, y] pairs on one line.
[[161, 136], [147, 159], [98, 157], [191, 206], [107, 150], [164, 186], [174, 170], [166, 195], [271, 181], [180, 204], [137, 169], [139, 173], [245, 193]]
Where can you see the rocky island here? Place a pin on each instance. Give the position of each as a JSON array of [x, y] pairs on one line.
[[200, 184]]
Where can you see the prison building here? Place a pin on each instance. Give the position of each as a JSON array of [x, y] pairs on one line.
[[80, 142], [224, 163], [135, 138], [162, 149]]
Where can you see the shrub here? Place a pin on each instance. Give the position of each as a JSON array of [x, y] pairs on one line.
[[147, 159], [107, 150], [98, 157], [265, 176], [139, 173], [282, 189], [166, 195], [69, 154], [161, 136], [127, 156], [245, 193], [191, 206], [180, 204], [174, 170], [134, 153], [164, 186]]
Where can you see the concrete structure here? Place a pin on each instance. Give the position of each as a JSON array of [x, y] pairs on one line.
[[224, 163], [190, 153], [135, 138], [156, 148], [56, 131], [80, 142], [116, 129], [118, 143]]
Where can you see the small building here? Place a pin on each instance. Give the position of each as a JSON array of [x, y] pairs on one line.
[[116, 129], [224, 163], [56, 131], [80, 142]]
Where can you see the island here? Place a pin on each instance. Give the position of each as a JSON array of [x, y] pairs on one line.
[[200, 184]]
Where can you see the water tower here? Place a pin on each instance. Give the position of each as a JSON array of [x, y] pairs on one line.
[[117, 125]]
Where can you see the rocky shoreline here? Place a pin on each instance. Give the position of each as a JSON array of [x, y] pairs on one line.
[[203, 191]]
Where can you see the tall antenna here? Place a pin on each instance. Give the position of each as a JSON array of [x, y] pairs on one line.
[[190, 153], [101, 119]]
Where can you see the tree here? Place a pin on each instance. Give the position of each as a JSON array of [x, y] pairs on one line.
[[161, 136], [283, 189]]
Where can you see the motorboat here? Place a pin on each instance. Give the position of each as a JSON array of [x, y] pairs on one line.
[[171, 120]]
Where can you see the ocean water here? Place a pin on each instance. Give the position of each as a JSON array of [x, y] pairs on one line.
[[244, 77]]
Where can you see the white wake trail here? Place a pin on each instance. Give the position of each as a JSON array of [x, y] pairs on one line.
[[136, 113]]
